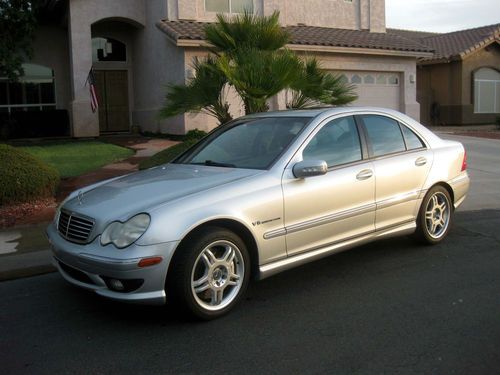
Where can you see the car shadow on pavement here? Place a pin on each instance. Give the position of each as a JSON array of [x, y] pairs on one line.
[[346, 278]]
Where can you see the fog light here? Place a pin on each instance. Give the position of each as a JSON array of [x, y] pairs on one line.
[[116, 284]]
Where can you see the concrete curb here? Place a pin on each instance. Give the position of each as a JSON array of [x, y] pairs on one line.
[[25, 265]]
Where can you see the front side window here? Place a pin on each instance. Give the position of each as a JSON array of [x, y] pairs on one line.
[[250, 143], [336, 143], [229, 6], [384, 135], [34, 91]]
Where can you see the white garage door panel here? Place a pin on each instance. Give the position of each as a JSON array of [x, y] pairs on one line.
[[377, 89], [387, 97]]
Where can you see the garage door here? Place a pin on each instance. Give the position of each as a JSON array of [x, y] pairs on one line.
[[375, 89]]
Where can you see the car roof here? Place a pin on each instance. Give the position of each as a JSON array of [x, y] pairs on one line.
[[313, 112]]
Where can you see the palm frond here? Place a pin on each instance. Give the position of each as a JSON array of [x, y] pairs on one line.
[[204, 93], [316, 87], [246, 30], [257, 75]]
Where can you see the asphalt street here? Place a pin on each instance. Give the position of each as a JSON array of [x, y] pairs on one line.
[[388, 307]]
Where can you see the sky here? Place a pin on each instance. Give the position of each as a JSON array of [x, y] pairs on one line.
[[441, 15]]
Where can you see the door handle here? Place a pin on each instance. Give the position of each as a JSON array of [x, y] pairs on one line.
[[364, 174], [420, 161]]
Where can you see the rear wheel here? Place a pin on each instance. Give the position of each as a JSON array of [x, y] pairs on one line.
[[210, 273], [435, 216]]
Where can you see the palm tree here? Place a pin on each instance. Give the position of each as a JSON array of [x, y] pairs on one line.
[[258, 75], [246, 31], [206, 92], [249, 53]]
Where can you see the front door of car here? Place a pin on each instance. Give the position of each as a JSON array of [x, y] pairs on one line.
[[326, 209], [402, 163]]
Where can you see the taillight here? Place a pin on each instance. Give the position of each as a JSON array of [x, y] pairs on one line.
[[464, 161]]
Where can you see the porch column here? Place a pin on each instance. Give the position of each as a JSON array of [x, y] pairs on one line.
[[84, 122]]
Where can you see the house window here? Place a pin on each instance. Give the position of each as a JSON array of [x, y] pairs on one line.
[[393, 80], [107, 49], [35, 91], [229, 6], [487, 91], [355, 79], [369, 80]]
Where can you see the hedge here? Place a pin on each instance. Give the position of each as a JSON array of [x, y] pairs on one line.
[[24, 177]]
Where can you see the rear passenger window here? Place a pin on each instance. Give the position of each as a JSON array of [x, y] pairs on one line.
[[336, 143], [384, 135], [412, 140]]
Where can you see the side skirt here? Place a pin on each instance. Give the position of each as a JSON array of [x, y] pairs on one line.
[[271, 269]]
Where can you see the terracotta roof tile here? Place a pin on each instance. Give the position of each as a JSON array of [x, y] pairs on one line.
[[309, 35], [452, 45]]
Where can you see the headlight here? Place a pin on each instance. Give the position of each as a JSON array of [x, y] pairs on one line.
[[125, 234]]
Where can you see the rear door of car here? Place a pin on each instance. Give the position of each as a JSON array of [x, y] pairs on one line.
[[330, 208], [402, 162]]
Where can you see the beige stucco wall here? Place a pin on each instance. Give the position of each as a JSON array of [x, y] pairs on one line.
[[55, 57], [451, 86], [157, 63], [355, 15], [487, 57]]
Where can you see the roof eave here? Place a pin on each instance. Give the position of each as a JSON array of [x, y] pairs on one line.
[[358, 50], [315, 48]]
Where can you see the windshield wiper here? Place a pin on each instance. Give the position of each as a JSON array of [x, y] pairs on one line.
[[212, 163]]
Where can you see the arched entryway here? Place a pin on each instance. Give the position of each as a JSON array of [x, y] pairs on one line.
[[111, 72], [112, 64]]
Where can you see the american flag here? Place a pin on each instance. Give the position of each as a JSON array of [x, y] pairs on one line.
[[94, 102]]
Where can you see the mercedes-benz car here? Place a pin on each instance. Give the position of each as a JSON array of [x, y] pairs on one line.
[[255, 197]]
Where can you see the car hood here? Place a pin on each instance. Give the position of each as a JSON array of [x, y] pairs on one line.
[[121, 198]]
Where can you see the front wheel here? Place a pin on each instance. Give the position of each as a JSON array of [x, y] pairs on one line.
[[210, 273], [435, 216]]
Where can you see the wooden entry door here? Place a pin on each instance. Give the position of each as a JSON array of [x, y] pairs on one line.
[[112, 91]]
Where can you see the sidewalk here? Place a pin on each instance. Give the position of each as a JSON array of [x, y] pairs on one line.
[[24, 249]]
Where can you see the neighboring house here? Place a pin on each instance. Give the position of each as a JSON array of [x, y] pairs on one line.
[[460, 84], [137, 47]]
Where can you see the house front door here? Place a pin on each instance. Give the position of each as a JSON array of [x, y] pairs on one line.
[[112, 91]]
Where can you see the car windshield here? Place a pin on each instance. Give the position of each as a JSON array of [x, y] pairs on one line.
[[250, 143]]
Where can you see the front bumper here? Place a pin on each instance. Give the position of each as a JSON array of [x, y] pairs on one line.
[[91, 266]]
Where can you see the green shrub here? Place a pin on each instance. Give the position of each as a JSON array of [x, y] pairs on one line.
[[167, 155], [24, 177], [498, 122], [194, 134]]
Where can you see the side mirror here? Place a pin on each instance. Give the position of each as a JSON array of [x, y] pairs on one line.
[[310, 168]]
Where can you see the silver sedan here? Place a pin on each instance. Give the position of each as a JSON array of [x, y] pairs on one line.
[[257, 196]]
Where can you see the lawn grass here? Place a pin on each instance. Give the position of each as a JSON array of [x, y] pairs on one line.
[[75, 158]]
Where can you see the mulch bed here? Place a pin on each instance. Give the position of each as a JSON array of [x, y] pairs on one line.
[[38, 211]]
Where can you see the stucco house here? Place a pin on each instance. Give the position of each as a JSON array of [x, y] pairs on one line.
[[460, 83], [137, 47]]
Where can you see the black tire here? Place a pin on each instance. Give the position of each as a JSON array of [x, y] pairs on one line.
[[190, 266], [435, 216]]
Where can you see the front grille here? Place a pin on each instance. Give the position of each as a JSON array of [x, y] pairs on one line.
[[74, 228]]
